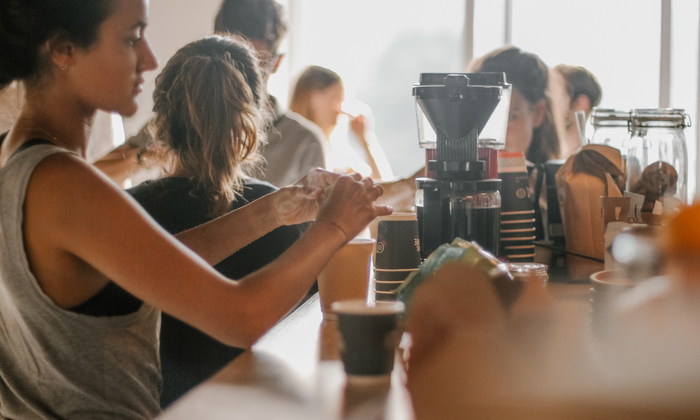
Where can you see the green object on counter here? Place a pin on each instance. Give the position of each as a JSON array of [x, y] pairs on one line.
[[459, 250]]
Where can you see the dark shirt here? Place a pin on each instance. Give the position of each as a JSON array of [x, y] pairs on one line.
[[189, 356]]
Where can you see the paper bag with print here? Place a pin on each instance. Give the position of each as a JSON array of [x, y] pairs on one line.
[[594, 171]]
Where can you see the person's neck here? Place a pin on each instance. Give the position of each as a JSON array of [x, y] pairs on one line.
[[55, 116], [176, 170]]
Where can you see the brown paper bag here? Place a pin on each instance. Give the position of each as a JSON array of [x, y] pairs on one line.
[[594, 171]]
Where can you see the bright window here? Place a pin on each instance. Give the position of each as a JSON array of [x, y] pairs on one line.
[[379, 48]]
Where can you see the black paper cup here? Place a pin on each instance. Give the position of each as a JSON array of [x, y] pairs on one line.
[[392, 275], [521, 258], [386, 286], [519, 249], [384, 296], [515, 192], [369, 336], [517, 224], [398, 246], [519, 240], [517, 215], [514, 233]]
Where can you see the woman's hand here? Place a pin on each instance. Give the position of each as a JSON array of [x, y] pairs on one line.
[[350, 204], [357, 125], [299, 203]]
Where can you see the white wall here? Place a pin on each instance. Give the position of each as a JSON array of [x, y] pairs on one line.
[[172, 24]]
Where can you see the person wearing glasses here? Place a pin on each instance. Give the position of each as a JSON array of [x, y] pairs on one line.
[[294, 145]]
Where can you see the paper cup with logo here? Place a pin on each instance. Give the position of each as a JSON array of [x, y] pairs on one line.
[[346, 276], [398, 246]]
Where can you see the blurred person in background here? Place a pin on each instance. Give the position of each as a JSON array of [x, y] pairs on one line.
[[319, 97], [573, 88], [531, 127], [294, 145], [84, 271], [209, 102]]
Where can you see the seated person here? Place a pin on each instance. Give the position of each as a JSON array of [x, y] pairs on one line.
[[318, 96], [294, 145], [208, 102], [531, 128], [84, 271], [573, 89]]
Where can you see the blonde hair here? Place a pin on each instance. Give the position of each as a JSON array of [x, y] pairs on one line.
[[312, 79], [208, 102]]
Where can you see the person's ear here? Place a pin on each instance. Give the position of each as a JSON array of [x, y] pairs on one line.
[[61, 51], [276, 64], [540, 111], [581, 103]]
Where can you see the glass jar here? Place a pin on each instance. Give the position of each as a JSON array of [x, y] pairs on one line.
[[611, 128], [657, 157], [475, 213], [527, 271]]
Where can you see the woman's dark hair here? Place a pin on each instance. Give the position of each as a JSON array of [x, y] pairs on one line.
[[527, 73], [312, 79], [208, 102], [259, 20], [580, 81], [26, 25]]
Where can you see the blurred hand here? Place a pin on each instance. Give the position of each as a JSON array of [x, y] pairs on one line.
[[299, 203], [357, 125], [350, 204]]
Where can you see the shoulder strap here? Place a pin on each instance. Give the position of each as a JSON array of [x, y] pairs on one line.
[[26, 145], [29, 143]]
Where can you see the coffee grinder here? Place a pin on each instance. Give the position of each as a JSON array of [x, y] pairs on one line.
[[459, 201]]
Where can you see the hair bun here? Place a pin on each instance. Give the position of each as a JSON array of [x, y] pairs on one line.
[[21, 36]]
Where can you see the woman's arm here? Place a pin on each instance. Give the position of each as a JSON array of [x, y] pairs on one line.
[[357, 125], [80, 228], [290, 205]]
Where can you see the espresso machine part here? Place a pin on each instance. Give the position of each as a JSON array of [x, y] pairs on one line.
[[457, 202]]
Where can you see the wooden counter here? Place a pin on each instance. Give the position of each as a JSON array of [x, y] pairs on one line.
[[294, 372]]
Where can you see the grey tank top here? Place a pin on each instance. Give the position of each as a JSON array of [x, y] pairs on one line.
[[56, 364]]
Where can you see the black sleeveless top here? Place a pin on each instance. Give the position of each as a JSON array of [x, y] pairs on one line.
[[111, 300]]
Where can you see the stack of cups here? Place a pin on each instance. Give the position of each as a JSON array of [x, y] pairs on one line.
[[397, 254], [517, 212]]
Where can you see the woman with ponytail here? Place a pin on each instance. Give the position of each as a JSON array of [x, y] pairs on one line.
[[84, 271]]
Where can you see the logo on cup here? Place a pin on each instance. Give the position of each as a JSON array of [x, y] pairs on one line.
[[521, 193], [380, 247], [416, 242]]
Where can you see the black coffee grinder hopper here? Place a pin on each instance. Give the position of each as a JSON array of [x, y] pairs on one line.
[[458, 202]]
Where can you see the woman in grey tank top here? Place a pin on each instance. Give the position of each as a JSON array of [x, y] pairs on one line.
[[67, 233]]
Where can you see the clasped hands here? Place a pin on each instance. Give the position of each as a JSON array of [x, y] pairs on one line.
[[345, 200]]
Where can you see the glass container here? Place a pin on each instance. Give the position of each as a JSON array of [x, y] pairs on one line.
[[611, 128], [475, 214], [526, 271], [657, 157]]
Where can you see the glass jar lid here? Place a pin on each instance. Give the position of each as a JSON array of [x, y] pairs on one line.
[[610, 117], [660, 117], [525, 269]]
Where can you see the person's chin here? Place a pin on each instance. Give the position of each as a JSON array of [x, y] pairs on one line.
[[128, 109]]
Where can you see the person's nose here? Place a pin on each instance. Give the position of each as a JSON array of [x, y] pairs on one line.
[[148, 59]]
